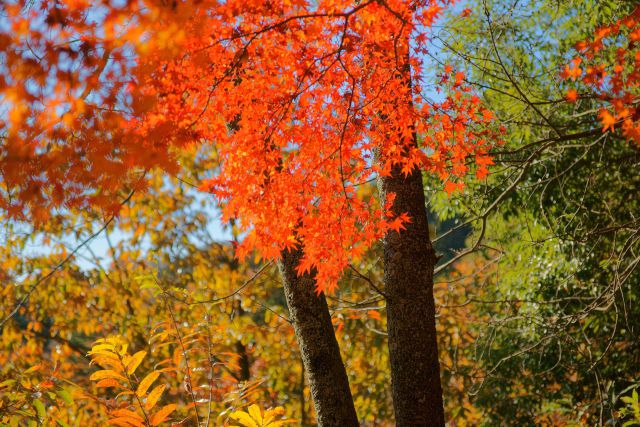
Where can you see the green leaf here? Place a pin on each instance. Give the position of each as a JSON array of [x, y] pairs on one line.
[[7, 383], [40, 409], [65, 396]]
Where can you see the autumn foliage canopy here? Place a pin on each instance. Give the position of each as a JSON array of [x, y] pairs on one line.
[[301, 103]]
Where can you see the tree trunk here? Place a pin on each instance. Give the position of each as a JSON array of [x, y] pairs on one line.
[[323, 365], [409, 261]]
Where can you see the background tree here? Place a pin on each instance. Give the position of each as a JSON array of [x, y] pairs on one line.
[[557, 218]]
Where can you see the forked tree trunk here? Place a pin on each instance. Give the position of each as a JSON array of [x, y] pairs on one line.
[[323, 365]]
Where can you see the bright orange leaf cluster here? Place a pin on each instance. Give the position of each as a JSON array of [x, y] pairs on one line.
[[306, 103], [609, 64], [303, 103]]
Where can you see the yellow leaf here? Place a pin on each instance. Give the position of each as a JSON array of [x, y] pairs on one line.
[[244, 419], [115, 344], [154, 396], [255, 417], [162, 414], [34, 368], [280, 423], [119, 413], [124, 393], [256, 413], [146, 383], [177, 357], [106, 373], [107, 359], [135, 361], [101, 348], [108, 352], [108, 382], [271, 414]]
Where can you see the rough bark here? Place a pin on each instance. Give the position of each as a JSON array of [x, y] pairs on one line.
[[409, 261], [321, 358]]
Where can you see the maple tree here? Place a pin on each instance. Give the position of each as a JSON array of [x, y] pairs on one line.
[[316, 85]]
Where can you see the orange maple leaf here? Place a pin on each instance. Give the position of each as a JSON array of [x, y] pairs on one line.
[[451, 187], [607, 119], [572, 95]]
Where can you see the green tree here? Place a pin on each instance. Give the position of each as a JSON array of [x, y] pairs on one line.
[[558, 218]]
